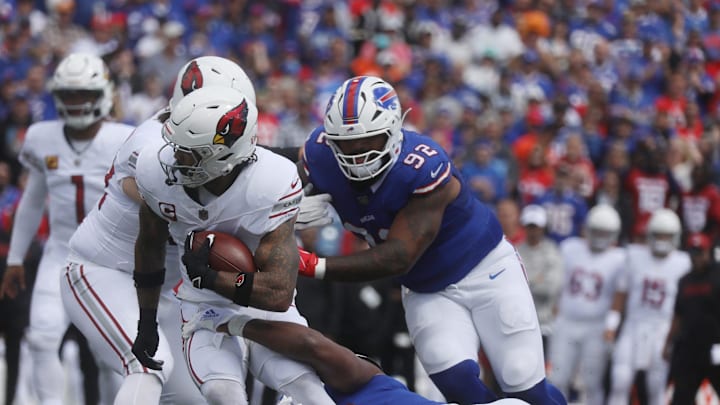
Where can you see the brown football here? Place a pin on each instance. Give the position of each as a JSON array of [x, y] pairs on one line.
[[228, 253]]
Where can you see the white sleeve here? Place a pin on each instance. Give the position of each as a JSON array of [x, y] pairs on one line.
[[27, 217]]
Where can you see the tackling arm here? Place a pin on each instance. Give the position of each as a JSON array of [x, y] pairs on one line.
[[412, 231], [337, 366]]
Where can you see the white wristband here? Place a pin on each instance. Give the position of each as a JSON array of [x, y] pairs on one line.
[[612, 320], [237, 324], [320, 268]]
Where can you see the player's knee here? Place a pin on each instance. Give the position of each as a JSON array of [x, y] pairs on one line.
[[520, 369], [541, 393], [621, 378], [461, 383], [43, 340], [224, 392]]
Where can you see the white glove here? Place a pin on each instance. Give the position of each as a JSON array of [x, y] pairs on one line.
[[210, 319], [237, 324], [314, 211]]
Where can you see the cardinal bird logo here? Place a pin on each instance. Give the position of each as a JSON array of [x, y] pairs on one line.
[[192, 78], [231, 126]]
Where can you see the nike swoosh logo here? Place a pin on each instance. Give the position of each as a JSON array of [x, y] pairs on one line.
[[494, 276], [294, 183], [435, 172]]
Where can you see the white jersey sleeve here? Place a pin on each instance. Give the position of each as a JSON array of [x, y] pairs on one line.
[[107, 236], [27, 217], [264, 195]]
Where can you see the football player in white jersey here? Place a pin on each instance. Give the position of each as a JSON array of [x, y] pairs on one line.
[[647, 293], [98, 289], [211, 175], [593, 268], [67, 160]]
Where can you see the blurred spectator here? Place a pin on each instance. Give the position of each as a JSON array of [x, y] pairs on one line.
[[649, 185], [498, 38], [486, 175], [15, 60], [693, 128], [536, 177], [483, 76], [566, 209], [674, 102], [582, 171], [700, 205], [173, 56], [15, 126], [143, 104], [41, 101], [60, 32], [555, 50], [106, 32], [508, 213], [682, 156], [603, 67], [543, 266], [298, 120], [26, 10]]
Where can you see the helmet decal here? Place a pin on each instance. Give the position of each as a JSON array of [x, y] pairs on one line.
[[231, 126], [192, 78], [351, 100], [386, 98]]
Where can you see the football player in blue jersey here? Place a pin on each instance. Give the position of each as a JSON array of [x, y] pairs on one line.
[[464, 285], [349, 379]]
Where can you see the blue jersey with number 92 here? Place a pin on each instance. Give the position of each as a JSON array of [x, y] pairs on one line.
[[469, 229]]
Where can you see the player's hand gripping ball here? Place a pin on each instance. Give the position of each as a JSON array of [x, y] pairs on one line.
[[207, 252]]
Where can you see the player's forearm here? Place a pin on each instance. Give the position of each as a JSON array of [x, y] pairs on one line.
[[391, 258], [277, 260], [149, 258], [148, 261], [27, 219], [334, 364]]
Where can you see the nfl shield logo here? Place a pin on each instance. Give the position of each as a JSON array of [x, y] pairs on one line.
[[203, 214]]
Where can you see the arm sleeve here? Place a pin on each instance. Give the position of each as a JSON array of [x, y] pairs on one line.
[[27, 218]]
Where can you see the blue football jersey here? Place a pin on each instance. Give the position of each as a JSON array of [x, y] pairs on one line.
[[469, 229], [380, 390]]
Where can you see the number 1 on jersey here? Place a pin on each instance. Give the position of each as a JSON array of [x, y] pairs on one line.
[[79, 197]]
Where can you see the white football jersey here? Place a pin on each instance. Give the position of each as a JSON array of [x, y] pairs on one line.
[[590, 279], [265, 194], [107, 236], [651, 283], [74, 178]]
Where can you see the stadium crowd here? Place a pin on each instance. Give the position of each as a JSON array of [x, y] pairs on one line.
[[559, 105]]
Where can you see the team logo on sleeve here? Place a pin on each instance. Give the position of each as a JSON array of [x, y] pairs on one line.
[[231, 126], [192, 79], [386, 97], [51, 162]]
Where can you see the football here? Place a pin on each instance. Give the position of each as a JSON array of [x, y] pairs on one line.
[[227, 253]]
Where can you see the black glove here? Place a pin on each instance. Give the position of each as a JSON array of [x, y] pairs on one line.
[[196, 263], [146, 341]]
